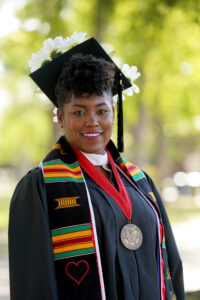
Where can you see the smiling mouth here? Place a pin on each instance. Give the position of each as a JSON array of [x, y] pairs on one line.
[[92, 134]]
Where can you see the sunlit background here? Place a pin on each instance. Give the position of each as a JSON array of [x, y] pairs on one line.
[[162, 123]]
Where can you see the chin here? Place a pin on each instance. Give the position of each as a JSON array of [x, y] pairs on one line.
[[92, 149]]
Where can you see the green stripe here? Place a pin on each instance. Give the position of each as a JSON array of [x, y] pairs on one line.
[[63, 179], [164, 244], [60, 162], [70, 229], [119, 160], [73, 253], [138, 176]]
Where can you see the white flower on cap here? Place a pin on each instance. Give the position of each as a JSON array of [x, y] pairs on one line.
[[55, 118], [37, 59], [51, 44], [75, 39], [108, 48], [53, 48], [132, 74]]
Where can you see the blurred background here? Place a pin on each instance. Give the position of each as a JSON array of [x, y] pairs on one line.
[[162, 123]]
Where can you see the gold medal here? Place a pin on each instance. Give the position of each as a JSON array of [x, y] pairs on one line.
[[131, 237]]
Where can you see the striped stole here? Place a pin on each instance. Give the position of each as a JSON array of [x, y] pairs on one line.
[[72, 226]]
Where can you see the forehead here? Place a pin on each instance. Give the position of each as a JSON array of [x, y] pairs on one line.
[[91, 99]]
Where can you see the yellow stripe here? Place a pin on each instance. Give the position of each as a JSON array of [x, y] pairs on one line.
[[128, 164], [61, 167], [71, 238], [135, 172], [152, 195], [56, 146], [70, 235], [63, 174], [73, 247]]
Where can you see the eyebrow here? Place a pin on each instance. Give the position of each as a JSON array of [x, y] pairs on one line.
[[83, 106]]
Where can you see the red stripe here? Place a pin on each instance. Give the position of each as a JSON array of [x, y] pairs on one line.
[[121, 197], [163, 291], [131, 168], [72, 241], [61, 171]]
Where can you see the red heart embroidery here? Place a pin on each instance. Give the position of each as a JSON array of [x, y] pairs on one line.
[[76, 265]]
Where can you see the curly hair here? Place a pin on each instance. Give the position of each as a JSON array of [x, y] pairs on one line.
[[84, 74]]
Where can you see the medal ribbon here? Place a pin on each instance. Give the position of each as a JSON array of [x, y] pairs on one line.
[[121, 197]]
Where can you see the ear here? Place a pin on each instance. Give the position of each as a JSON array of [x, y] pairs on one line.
[[60, 117]]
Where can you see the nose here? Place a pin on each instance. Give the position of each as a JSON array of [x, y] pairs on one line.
[[92, 120]]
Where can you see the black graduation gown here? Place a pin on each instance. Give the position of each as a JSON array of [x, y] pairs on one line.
[[128, 275]]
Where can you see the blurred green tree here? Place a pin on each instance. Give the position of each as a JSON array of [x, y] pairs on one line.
[[161, 38]]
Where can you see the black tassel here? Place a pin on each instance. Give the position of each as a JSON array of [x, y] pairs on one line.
[[120, 138]]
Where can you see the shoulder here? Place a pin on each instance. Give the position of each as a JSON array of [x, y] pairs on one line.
[[28, 189], [138, 174], [143, 181], [135, 172], [34, 178]]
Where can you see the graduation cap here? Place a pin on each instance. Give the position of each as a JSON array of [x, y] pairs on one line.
[[46, 77]]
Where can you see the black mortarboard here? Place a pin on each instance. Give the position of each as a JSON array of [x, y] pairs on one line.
[[46, 77]]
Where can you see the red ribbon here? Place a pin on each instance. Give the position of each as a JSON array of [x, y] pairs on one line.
[[121, 197]]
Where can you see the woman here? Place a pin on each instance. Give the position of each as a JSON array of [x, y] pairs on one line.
[[86, 224]]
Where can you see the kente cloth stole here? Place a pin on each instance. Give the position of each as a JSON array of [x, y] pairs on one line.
[[72, 224]]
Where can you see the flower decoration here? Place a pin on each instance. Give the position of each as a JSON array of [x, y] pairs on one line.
[[53, 48], [37, 60], [132, 74], [55, 118], [75, 39]]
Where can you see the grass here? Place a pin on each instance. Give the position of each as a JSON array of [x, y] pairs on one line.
[[193, 295], [182, 210]]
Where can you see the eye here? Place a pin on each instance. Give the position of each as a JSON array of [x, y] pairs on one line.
[[102, 112], [78, 113]]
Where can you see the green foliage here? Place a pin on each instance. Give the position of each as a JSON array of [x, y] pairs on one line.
[[160, 37], [163, 41], [25, 133]]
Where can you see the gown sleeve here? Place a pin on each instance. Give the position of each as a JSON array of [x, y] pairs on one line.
[[31, 264], [175, 263]]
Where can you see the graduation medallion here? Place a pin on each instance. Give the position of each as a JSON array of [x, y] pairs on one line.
[[131, 237]]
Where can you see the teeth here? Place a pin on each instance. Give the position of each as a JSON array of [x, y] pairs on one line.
[[91, 134]]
